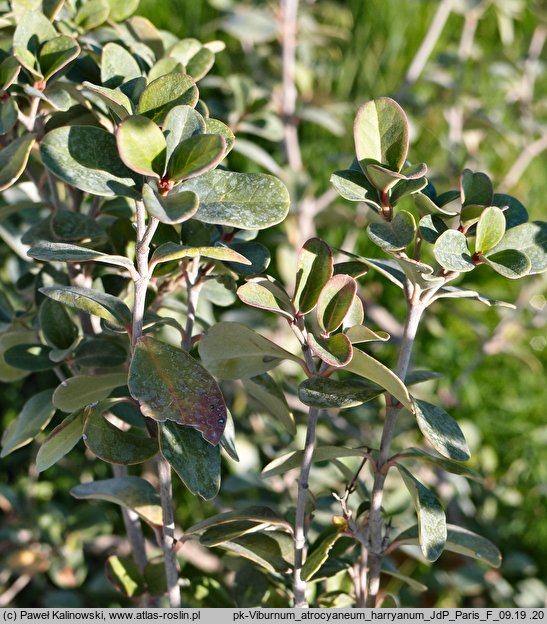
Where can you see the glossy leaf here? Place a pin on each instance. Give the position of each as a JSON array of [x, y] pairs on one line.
[[476, 188], [35, 416], [292, 460], [245, 200], [29, 357], [82, 390], [431, 227], [60, 441], [335, 350], [531, 240], [366, 366], [13, 160], [87, 157], [113, 445], [441, 431], [257, 254], [142, 146], [320, 553], [64, 252], [490, 229], [394, 235], [166, 92], [57, 327], [510, 263], [181, 124], [196, 155], [33, 30], [381, 133], [462, 541], [171, 385], [56, 54], [9, 71], [233, 351], [314, 268], [117, 66], [432, 531], [92, 13], [324, 393], [131, 492], [91, 301], [264, 390], [514, 212], [172, 251], [171, 209], [335, 301], [263, 294], [195, 461], [452, 253]]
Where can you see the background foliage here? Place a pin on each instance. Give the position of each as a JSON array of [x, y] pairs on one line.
[[480, 102]]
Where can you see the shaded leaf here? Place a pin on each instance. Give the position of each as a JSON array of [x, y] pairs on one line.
[[354, 186], [13, 160], [56, 54], [515, 213], [431, 227], [29, 357], [60, 441], [125, 576], [8, 114], [131, 492], [425, 206], [64, 252], [335, 350], [195, 461], [510, 263], [33, 30], [57, 327], [258, 514], [476, 188], [171, 385], [531, 240], [173, 208], [270, 397], [92, 13], [293, 459], [419, 376], [319, 554], [245, 200], [82, 390], [100, 352], [272, 550], [257, 254], [9, 71], [322, 392], [441, 430], [432, 531], [445, 464], [335, 301], [314, 268]]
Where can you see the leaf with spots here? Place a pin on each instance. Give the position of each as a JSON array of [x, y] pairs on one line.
[[171, 385]]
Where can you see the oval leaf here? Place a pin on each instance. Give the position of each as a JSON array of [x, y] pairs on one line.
[[475, 189], [324, 393], [172, 251], [314, 268], [335, 350], [142, 146], [531, 240], [263, 294], [82, 390], [335, 301], [196, 155], [173, 208], [182, 123], [490, 229], [395, 235], [13, 160], [195, 461], [452, 253], [510, 263], [118, 66], [166, 92], [264, 390], [171, 385], [60, 441]]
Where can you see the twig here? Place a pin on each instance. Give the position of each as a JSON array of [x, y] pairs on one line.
[[531, 151], [18, 585]]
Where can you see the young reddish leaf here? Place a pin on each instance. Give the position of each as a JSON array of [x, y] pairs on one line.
[[171, 385], [313, 270], [335, 301], [335, 350]]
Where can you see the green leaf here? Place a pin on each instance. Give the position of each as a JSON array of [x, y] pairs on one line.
[[7, 340], [266, 295], [441, 431], [33, 30], [171, 385], [113, 445], [324, 393], [8, 114], [403, 188], [142, 146], [120, 10], [166, 92], [314, 268], [292, 460], [419, 376], [394, 235], [257, 254], [125, 576], [245, 200], [531, 240], [233, 351], [431, 227], [87, 157], [56, 326], [9, 71], [452, 253], [354, 186], [118, 66], [200, 64], [267, 393], [366, 366], [355, 315], [216, 535], [317, 557], [381, 133], [476, 188], [100, 352], [514, 212], [164, 66], [490, 229], [510, 263], [173, 208], [35, 415], [60, 441], [432, 532], [335, 301], [453, 292], [360, 333], [56, 54], [272, 550], [425, 206], [13, 160], [462, 541], [172, 251], [64, 252], [91, 301], [70, 226], [82, 390], [257, 514], [181, 124], [131, 492], [388, 268], [445, 464], [354, 268], [29, 357], [385, 179], [335, 350], [196, 155], [415, 585], [214, 126], [92, 14], [195, 461]]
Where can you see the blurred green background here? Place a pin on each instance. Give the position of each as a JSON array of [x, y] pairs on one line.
[[479, 101]]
